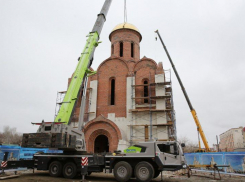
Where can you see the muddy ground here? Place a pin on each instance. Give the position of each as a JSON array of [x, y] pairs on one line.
[[28, 176]]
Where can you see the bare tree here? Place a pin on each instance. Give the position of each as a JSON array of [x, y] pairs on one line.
[[1, 138], [190, 146], [10, 136]]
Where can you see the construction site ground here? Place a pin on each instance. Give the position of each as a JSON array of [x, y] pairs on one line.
[[37, 176]]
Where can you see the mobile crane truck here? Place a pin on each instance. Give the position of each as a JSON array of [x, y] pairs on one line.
[[143, 161]]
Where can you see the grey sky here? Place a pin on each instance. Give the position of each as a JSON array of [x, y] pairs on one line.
[[40, 42]]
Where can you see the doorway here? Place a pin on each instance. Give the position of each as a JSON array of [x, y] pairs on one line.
[[101, 144]]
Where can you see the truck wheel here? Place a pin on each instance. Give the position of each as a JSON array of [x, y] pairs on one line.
[[122, 171], [144, 172], [55, 169], [69, 170]]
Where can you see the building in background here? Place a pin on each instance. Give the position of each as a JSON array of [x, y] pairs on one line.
[[215, 148], [129, 99], [232, 140]]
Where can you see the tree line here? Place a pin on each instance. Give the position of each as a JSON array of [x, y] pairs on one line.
[[190, 146], [10, 136]]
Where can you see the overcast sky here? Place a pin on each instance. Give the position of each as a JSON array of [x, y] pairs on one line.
[[40, 42]]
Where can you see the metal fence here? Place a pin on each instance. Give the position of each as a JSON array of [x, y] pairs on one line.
[[17, 152], [236, 160]]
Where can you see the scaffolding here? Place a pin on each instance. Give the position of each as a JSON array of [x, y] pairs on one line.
[[143, 107], [75, 116], [59, 100]]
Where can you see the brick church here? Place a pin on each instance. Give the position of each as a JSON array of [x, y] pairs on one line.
[[129, 98]]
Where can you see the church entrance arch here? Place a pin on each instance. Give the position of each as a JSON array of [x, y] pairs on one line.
[[101, 135], [101, 144]]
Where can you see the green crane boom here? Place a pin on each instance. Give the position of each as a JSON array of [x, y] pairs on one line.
[[85, 61]]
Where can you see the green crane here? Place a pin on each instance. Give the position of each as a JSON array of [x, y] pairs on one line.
[[82, 69], [60, 134]]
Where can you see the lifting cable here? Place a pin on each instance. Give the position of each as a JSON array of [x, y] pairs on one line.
[[125, 11]]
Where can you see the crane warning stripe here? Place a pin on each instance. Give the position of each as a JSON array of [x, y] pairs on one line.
[[84, 161], [4, 163]]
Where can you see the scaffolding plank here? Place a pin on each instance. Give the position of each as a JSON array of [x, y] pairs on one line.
[[166, 124], [140, 97], [161, 97], [152, 84], [62, 92], [153, 97], [89, 112], [164, 140], [149, 110], [140, 85], [161, 83]]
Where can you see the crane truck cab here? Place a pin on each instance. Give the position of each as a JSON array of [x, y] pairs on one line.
[[168, 153], [146, 160]]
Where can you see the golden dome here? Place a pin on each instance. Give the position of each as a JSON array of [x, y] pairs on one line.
[[126, 26]]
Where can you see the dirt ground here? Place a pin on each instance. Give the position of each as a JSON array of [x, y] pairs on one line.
[[28, 176]]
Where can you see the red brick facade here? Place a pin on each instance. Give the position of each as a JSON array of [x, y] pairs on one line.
[[126, 36], [117, 67]]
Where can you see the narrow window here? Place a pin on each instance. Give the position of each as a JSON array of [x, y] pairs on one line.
[[146, 93], [112, 49], [112, 92], [132, 49], [121, 49]]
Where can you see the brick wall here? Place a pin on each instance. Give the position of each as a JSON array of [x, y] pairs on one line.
[[118, 70], [127, 37]]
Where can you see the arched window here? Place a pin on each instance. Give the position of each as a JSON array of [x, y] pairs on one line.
[[112, 99], [112, 49], [132, 49], [146, 91], [121, 49]]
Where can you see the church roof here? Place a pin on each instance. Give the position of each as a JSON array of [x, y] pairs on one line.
[[126, 26]]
